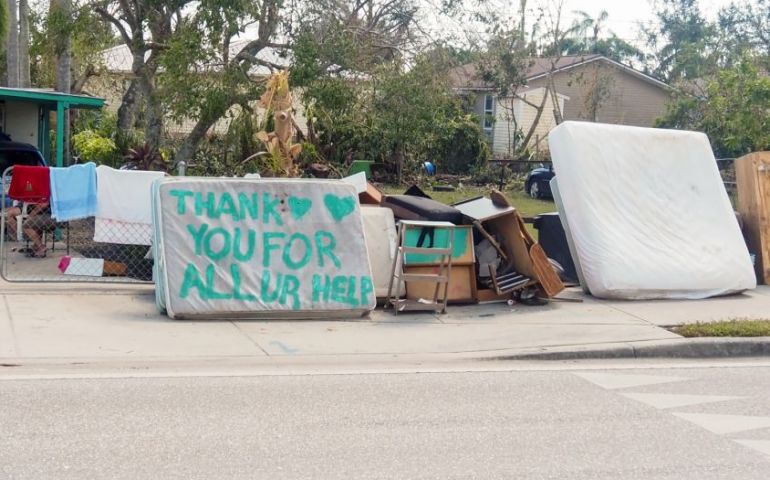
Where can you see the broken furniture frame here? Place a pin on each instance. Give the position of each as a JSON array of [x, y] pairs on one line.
[[500, 223], [444, 266], [507, 282]]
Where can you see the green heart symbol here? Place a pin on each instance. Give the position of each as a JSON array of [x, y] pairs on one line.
[[299, 207], [339, 207]]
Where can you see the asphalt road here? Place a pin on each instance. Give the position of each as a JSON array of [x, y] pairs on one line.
[[574, 421]]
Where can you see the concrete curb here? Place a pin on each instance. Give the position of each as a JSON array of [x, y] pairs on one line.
[[676, 348]]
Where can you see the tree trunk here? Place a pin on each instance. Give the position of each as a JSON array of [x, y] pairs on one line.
[[4, 16], [535, 122], [12, 52], [64, 50], [128, 104], [132, 98], [551, 91], [63, 8], [153, 110], [4, 27], [79, 83], [24, 73], [153, 131], [186, 152], [399, 160], [141, 92]]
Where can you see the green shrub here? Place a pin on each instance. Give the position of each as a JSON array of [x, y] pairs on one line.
[[92, 147], [127, 139], [458, 146]]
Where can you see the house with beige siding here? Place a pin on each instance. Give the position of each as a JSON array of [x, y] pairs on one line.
[[502, 118], [587, 88]]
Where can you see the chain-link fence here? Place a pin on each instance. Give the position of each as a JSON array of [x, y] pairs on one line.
[[727, 171], [34, 247], [507, 168]]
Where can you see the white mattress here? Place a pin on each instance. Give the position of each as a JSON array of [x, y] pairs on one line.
[[648, 213], [249, 248], [381, 241]]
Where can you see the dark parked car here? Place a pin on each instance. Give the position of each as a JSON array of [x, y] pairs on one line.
[[538, 181], [16, 153]]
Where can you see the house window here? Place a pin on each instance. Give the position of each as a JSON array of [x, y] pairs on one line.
[[489, 111], [489, 114]]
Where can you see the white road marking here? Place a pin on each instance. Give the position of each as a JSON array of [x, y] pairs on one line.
[[613, 381], [663, 400], [725, 424], [762, 446]]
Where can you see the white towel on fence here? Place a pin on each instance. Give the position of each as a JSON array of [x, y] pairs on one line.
[[125, 195], [124, 199]]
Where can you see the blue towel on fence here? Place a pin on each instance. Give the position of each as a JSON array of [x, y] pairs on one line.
[[73, 192]]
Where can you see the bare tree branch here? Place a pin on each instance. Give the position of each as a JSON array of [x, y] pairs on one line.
[[116, 23], [79, 83], [253, 60], [128, 13], [155, 46], [535, 122], [524, 99]]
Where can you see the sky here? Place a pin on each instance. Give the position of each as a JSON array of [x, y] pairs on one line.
[[624, 15]]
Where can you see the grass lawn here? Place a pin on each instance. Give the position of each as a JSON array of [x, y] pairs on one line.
[[527, 207], [729, 328]]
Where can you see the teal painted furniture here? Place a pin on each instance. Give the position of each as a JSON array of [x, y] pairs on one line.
[[462, 245]]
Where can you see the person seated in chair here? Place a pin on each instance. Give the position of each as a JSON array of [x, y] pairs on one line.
[[35, 225], [12, 212]]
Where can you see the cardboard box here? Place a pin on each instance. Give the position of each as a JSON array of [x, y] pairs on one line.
[[115, 269], [370, 196]]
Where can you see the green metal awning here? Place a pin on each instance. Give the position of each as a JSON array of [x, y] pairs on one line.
[[50, 97], [50, 100]]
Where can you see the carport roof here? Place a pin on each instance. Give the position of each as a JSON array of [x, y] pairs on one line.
[[54, 101], [50, 97]]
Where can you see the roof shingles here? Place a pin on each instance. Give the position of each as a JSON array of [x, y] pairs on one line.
[[467, 77]]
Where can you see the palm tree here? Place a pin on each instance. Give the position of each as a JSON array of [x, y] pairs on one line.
[[3, 24], [61, 11], [24, 73], [12, 47], [586, 38]]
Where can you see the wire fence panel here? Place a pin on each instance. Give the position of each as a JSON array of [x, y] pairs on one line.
[[70, 252], [34, 247]]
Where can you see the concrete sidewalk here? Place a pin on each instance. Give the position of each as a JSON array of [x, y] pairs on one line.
[[66, 323]]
